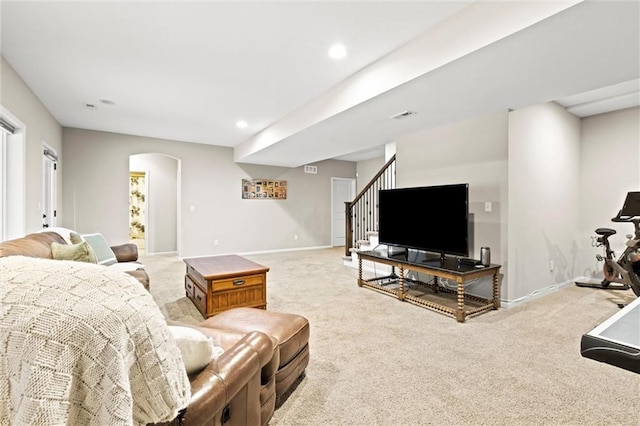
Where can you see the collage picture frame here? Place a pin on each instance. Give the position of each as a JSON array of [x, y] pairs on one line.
[[264, 189]]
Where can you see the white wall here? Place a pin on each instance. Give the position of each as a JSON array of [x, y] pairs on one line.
[[472, 151], [161, 203], [551, 178], [40, 126], [96, 195], [544, 213], [366, 170], [610, 159]]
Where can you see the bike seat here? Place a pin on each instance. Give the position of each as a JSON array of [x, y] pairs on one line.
[[605, 232]]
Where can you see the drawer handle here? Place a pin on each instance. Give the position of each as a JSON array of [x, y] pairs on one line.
[[198, 297], [238, 282], [189, 286]]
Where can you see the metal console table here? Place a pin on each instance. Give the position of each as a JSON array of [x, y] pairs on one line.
[[454, 303]]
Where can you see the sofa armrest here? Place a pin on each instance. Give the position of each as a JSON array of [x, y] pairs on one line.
[[214, 387], [37, 244], [227, 339], [127, 252]]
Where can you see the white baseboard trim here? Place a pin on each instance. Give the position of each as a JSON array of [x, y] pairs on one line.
[[246, 253], [537, 293], [286, 250], [160, 253]]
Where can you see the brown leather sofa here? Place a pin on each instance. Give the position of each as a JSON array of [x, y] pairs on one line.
[[38, 244], [237, 388]]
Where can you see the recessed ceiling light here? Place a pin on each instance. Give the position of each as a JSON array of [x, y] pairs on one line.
[[107, 102], [337, 51], [241, 124]]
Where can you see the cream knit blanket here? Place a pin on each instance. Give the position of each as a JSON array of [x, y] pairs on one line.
[[83, 345]]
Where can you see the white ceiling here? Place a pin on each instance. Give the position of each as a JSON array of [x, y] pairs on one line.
[[189, 70]]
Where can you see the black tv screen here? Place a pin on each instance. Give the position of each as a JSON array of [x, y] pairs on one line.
[[428, 218]]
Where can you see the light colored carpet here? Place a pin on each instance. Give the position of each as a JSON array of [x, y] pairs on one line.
[[378, 361]]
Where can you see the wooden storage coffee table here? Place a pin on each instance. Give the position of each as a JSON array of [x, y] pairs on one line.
[[218, 283]]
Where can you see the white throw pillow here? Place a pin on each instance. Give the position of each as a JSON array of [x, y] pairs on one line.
[[197, 350], [103, 251]]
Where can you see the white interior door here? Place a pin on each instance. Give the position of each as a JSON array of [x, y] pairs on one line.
[[3, 180], [49, 168], [341, 190]]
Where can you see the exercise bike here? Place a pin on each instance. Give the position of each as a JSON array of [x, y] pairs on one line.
[[623, 273]]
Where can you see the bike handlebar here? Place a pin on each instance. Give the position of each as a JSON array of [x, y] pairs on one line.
[[619, 218]]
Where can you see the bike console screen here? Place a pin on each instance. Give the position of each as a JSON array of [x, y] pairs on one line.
[[631, 207]]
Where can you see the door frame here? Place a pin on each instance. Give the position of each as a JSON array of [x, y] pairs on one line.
[[335, 181], [150, 212], [145, 216], [49, 203], [14, 191]]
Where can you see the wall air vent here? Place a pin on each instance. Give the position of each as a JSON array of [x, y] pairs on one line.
[[311, 169], [403, 114]]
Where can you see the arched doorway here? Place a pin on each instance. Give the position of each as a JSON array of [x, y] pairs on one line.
[[153, 202]]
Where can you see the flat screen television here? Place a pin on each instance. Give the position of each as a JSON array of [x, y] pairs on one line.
[[429, 218]]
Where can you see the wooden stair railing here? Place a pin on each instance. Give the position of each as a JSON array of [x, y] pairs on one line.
[[361, 214]]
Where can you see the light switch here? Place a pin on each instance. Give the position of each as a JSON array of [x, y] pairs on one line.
[[487, 206]]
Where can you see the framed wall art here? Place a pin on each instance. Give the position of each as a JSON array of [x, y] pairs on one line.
[[264, 189]]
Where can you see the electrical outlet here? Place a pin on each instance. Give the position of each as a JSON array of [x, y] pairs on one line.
[[216, 242], [487, 206]]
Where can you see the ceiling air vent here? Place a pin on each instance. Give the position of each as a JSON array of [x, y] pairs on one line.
[[403, 114], [311, 169]]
